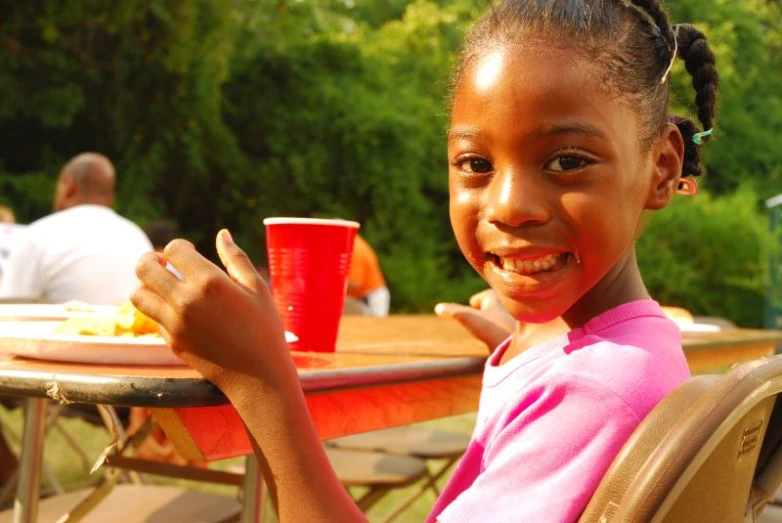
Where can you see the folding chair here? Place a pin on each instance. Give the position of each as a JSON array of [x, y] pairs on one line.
[[7, 490], [141, 504], [55, 412], [709, 452], [379, 473], [110, 501], [412, 441]]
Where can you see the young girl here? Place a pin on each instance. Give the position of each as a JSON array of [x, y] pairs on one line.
[[559, 142]]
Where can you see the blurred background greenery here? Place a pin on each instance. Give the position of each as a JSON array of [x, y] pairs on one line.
[[219, 113]]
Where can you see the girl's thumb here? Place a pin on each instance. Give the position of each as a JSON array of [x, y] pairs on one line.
[[239, 266]]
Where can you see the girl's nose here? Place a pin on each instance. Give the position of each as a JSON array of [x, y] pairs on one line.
[[515, 199]]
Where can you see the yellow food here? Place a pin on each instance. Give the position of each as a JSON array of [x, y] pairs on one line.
[[127, 321], [130, 319], [78, 306], [88, 326]]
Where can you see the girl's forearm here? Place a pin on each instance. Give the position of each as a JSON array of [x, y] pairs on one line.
[[297, 472]]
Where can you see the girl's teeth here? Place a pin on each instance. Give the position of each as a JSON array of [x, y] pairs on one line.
[[530, 266]]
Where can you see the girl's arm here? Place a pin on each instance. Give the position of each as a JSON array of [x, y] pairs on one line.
[[297, 472], [226, 327]]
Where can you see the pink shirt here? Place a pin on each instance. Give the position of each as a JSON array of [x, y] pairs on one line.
[[551, 420]]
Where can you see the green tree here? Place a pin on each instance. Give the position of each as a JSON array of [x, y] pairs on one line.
[[220, 114], [139, 81]]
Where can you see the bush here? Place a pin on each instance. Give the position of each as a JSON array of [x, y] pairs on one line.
[[709, 255]]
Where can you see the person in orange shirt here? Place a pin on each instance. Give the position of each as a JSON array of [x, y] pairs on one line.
[[365, 279]]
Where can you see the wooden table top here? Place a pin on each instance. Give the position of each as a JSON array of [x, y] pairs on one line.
[[370, 351]]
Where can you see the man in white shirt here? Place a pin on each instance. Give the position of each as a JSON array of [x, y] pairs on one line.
[[84, 251]]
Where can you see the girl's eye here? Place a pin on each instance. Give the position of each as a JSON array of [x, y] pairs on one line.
[[474, 165], [567, 163]]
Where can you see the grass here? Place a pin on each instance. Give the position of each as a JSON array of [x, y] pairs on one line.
[[70, 470]]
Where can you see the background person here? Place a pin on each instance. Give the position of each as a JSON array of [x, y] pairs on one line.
[[9, 233], [160, 233], [7, 215], [84, 250], [366, 281]]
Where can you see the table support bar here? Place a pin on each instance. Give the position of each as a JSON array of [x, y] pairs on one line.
[[252, 492], [26, 502]]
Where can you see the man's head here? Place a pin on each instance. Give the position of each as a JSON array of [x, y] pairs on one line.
[[86, 179], [7, 215]]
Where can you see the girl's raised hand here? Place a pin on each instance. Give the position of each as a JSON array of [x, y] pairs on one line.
[[485, 317], [225, 326]]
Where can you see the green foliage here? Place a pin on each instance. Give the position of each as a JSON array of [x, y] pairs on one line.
[[709, 255], [138, 81], [219, 114]]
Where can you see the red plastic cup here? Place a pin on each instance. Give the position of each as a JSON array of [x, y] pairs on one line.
[[309, 260]]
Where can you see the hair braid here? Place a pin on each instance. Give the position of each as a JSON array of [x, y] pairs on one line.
[[701, 64], [691, 164], [659, 17]]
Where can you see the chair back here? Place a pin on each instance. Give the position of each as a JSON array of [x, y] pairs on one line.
[[710, 451]]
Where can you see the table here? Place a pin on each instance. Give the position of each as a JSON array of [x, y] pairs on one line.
[[383, 375], [386, 372], [716, 352]]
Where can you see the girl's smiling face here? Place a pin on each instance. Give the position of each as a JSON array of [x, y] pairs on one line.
[[549, 179]]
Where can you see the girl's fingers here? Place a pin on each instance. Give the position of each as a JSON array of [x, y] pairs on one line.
[[476, 322], [239, 266], [482, 299], [152, 272], [151, 304], [185, 259]]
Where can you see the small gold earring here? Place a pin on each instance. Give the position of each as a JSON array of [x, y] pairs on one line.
[[688, 187]]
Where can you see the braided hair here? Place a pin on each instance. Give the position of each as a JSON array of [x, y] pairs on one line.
[[633, 41]]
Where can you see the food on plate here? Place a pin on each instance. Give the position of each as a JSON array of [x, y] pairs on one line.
[[126, 321], [130, 319], [78, 306]]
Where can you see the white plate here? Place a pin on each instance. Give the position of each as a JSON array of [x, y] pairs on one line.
[[49, 312], [32, 339]]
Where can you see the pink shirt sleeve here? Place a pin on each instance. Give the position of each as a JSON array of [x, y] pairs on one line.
[[545, 463]]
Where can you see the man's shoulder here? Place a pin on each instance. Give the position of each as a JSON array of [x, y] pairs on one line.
[[94, 218], [42, 225]]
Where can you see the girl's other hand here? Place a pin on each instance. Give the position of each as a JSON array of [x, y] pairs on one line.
[[485, 317], [225, 326]]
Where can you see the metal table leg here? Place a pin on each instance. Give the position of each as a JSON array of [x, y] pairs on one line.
[[252, 492], [27, 490]]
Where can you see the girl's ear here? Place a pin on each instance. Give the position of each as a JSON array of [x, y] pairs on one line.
[[667, 159]]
